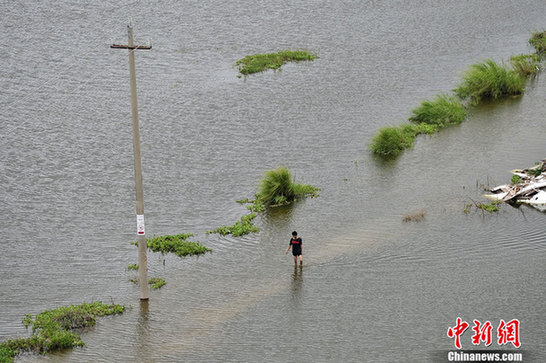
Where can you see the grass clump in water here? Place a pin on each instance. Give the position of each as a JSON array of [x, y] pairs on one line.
[[442, 111], [260, 62], [526, 65], [538, 41], [176, 244], [132, 267], [277, 188], [417, 216], [52, 330], [489, 80], [156, 282], [391, 141]]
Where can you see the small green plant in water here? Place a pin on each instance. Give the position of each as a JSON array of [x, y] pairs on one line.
[[132, 267], [52, 330], [489, 81], [260, 62], [538, 40], [176, 244], [515, 179], [442, 111], [491, 207], [156, 282]]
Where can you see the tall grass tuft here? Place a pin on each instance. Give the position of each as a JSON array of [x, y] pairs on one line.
[[526, 65], [260, 62], [277, 188], [177, 244], [442, 111], [538, 40], [489, 80]]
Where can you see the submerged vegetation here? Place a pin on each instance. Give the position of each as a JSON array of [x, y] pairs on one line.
[[156, 282], [526, 65], [483, 81], [538, 40], [417, 216], [240, 228], [177, 244], [53, 330], [260, 62]]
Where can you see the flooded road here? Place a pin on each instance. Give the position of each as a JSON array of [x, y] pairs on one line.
[[373, 288]]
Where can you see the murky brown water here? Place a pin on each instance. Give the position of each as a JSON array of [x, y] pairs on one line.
[[373, 288]]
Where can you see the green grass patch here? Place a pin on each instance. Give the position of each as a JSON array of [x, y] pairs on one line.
[[156, 282], [260, 62], [526, 65], [392, 140], [489, 81], [277, 188], [491, 207], [52, 330], [538, 41], [177, 244], [442, 111], [240, 228], [132, 267], [515, 179]]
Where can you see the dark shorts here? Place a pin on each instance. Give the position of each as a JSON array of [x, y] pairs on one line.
[[296, 253]]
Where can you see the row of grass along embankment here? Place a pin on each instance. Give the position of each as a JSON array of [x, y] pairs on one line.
[[482, 82]]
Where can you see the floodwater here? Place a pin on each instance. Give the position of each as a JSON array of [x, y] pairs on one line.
[[373, 288]]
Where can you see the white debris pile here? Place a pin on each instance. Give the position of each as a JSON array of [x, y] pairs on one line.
[[529, 189]]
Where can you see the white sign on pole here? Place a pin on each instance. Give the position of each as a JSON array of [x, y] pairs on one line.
[[140, 224]]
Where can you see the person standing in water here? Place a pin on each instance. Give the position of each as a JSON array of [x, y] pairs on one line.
[[295, 244]]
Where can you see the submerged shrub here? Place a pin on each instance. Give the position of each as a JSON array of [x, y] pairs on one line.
[[538, 40], [489, 80], [277, 188], [526, 65], [156, 282], [260, 62], [443, 110]]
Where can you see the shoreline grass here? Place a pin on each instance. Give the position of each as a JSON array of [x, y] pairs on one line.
[[261, 62], [53, 330]]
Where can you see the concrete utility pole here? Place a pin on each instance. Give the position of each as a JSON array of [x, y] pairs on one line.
[[141, 234]]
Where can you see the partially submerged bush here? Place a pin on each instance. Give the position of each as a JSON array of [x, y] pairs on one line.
[[442, 111], [277, 188], [489, 80], [417, 216], [260, 62], [538, 40], [526, 65], [52, 329], [176, 244]]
